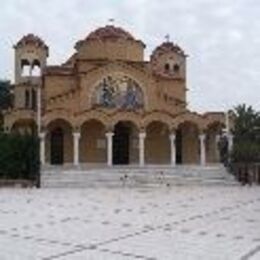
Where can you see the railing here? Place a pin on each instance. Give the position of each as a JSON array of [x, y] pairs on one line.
[[247, 173]]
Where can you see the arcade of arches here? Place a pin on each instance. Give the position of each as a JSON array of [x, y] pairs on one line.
[[107, 105], [126, 143]]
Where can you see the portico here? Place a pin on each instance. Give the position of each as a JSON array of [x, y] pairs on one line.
[[128, 144]]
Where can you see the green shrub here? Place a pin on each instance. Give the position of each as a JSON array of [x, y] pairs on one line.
[[245, 152], [19, 157]]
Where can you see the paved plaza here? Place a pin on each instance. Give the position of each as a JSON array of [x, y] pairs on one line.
[[148, 224]]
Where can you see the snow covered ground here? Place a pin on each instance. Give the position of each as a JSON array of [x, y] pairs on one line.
[[147, 224]]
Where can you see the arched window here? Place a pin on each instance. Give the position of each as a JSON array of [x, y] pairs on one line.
[[34, 99], [25, 68], [27, 99], [167, 67], [36, 68], [176, 68]]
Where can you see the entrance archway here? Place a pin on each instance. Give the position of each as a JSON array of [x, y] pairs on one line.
[[187, 143], [57, 149], [59, 142], [157, 143], [212, 148], [125, 142], [92, 142]]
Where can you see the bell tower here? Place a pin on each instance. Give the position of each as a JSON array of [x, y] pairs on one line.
[[169, 61], [30, 58]]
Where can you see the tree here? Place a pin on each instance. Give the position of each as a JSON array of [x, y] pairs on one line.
[[246, 134], [5, 97], [19, 157]]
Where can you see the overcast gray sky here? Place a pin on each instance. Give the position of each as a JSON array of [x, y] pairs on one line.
[[221, 37]]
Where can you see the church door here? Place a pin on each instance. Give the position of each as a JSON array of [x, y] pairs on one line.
[[121, 144], [57, 146]]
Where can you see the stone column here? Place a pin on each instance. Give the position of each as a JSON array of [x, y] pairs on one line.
[[39, 108], [227, 122], [230, 142], [202, 138], [109, 137], [42, 136], [173, 149], [142, 136], [76, 137]]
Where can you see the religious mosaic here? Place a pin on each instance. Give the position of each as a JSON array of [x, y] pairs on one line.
[[118, 92]]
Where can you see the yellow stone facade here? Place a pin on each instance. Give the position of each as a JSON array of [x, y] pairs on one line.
[[108, 105]]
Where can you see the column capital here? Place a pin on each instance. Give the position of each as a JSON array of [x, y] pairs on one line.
[[142, 135], [76, 134], [42, 135], [172, 136], [109, 134], [202, 136]]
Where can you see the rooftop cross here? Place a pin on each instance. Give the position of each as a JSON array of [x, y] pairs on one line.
[[167, 37], [111, 21]]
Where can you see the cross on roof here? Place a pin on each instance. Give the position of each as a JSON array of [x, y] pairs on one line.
[[111, 21], [167, 37]]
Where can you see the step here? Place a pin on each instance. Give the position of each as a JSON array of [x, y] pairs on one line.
[[134, 176]]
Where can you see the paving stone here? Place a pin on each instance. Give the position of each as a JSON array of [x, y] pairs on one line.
[[148, 224]]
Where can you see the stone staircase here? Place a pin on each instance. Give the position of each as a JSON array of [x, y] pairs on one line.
[[134, 176]]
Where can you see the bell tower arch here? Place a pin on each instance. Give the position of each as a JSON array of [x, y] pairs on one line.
[[30, 58]]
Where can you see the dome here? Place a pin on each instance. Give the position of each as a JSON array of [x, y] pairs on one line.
[[110, 43], [109, 32], [166, 47], [31, 39]]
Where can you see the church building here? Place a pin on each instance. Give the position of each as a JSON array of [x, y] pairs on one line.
[[108, 105]]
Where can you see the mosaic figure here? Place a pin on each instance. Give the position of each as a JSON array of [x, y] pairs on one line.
[[118, 92], [107, 95]]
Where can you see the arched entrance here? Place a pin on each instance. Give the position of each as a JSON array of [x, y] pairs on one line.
[[59, 142], [92, 144], [187, 143], [157, 143], [56, 148], [125, 144], [212, 149]]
